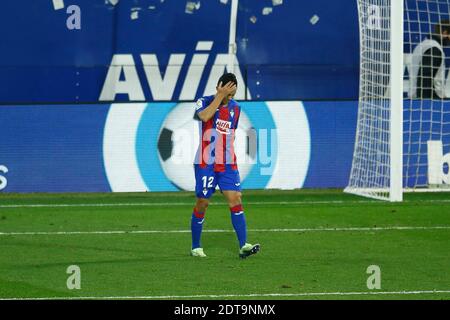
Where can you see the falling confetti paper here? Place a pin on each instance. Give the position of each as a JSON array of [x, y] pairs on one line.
[[191, 7], [134, 15], [266, 11], [58, 4], [277, 2], [314, 19]]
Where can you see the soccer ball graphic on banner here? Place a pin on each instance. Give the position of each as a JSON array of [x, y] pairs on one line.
[[179, 138]]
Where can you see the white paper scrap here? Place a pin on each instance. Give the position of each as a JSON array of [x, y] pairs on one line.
[[58, 4]]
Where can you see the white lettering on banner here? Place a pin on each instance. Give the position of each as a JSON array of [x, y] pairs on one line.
[[130, 86], [162, 88], [193, 77], [436, 161], [223, 126], [3, 180]]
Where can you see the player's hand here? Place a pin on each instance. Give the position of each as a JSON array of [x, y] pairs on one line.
[[225, 90]]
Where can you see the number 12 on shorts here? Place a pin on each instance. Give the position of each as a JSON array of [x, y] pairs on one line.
[[207, 181]]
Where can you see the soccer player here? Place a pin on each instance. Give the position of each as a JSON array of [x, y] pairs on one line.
[[215, 163]]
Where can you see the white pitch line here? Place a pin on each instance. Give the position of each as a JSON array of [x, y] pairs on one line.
[[163, 204], [357, 229], [252, 295]]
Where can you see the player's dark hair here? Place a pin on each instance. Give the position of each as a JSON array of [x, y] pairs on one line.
[[227, 77]]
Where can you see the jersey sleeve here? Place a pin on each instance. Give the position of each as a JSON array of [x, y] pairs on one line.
[[238, 115], [201, 105]]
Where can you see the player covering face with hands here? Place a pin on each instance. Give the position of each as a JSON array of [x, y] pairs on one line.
[[215, 163]]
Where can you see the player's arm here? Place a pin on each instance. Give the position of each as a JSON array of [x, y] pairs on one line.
[[222, 93]]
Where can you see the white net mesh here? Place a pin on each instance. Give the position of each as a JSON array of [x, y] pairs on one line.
[[426, 113], [371, 160]]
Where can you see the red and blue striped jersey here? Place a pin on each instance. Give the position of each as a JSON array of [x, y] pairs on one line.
[[216, 147]]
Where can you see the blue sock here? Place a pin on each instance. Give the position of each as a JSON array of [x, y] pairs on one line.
[[196, 228], [239, 225]]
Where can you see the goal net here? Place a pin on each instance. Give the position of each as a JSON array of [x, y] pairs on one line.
[[403, 129]]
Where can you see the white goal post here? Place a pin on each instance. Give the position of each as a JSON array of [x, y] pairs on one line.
[[403, 128]]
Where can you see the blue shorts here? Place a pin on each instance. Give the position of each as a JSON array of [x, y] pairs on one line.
[[206, 181]]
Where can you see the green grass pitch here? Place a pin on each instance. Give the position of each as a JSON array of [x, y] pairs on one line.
[[315, 245]]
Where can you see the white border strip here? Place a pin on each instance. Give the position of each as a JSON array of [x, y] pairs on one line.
[[290, 119], [119, 154], [252, 295], [355, 229]]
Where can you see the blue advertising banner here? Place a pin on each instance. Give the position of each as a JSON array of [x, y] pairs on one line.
[[152, 50], [53, 148], [151, 146], [128, 147]]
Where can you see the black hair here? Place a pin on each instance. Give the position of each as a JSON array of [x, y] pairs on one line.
[[227, 77]]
